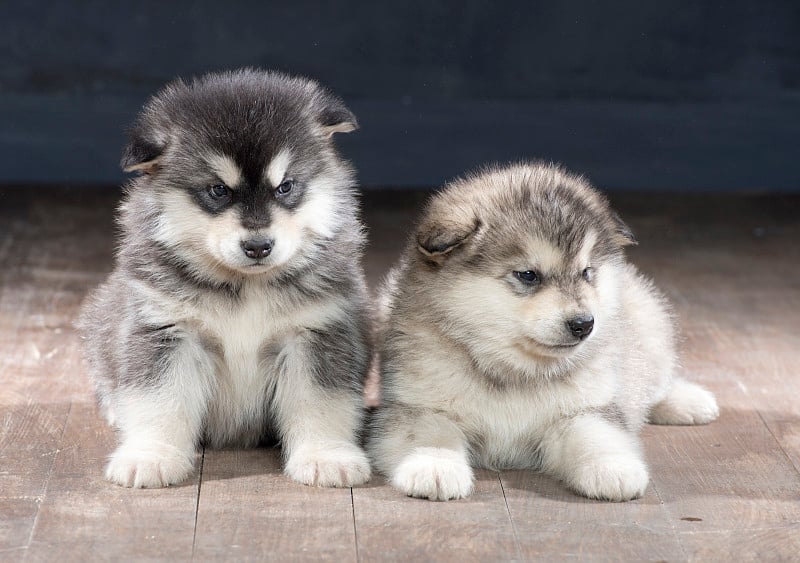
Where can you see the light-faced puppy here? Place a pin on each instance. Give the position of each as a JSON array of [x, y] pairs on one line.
[[516, 335], [236, 312]]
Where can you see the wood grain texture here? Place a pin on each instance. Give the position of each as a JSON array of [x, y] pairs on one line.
[[728, 480], [249, 510], [553, 523], [30, 437], [53, 248], [393, 527], [86, 518], [727, 491]]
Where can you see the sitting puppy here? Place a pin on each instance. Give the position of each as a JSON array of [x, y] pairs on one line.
[[517, 336], [236, 313]]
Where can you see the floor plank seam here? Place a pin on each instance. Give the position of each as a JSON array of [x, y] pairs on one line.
[[197, 505], [510, 518], [355, 529], [46, 484], [778, 442]]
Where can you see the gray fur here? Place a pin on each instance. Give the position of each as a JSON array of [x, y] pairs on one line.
[[487, 362], [159, 313]]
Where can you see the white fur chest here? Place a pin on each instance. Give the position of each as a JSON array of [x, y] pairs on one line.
[[242, 336], [236, 334], [241, 329]]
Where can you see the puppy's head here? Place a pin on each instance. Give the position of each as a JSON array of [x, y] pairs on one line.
[[241, 169], [524, 260]]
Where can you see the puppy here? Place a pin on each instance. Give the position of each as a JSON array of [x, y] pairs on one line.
[[517, 336], [236, 312]]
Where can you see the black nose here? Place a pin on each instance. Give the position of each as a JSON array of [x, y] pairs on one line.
[[581, 326], [257, 248]]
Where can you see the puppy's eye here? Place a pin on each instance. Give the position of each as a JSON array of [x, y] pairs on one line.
[[285, 187], [219, 191], [588, 274], [528, 277]]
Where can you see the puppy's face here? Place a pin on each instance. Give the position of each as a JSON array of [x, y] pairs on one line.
[[531, 273], [243, 170], [253, 226], [558, 297]]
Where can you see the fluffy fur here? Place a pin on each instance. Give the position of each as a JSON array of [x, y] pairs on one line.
[[517, 336], [236, 313]]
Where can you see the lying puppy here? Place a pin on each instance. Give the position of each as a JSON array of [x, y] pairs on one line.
[[236, 313], [517, 336]]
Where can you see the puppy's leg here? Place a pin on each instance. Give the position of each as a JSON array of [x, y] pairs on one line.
[[318, 434], [685, 403], [595, 457], [423, 453], [160, 422], [319, 409]]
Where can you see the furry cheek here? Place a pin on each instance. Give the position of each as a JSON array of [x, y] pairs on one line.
[[605, 295], [316, 214], [180, 225], [484, 306], [287, 233]]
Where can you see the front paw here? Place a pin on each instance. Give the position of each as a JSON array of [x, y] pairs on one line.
[[435, 474], [616, 478], [152, 466], [326, 465], [686, 404]]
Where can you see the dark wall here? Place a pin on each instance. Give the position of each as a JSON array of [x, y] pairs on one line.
[[656, 95]]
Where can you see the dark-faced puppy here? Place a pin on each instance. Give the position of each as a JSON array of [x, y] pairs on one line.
[[237, 310], [517, 336]]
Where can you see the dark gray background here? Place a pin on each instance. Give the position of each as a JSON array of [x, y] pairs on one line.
[[683, 95]]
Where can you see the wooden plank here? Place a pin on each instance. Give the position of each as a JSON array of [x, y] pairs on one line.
[[249, 511], [42, 285], [731, 487], [727, 480], [393, 527], [787, 433], [553, 523], [38, 360], [17, 516], [87, 518], [769, 544], [30, 435]]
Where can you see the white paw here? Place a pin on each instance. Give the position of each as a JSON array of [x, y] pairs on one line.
[[434, 473], [615, 478], [328, 465], [151, 466], [687, 404]]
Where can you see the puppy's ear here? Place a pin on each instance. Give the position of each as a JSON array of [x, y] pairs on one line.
[[141, 154], [623, 235], [438, 239], [333, 116]]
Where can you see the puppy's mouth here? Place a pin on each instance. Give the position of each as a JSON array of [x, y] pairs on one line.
[[258, 266], [533, 347], [561, 346], [252, 267]]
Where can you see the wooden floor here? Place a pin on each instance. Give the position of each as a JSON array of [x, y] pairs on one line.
[[729, 491]]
